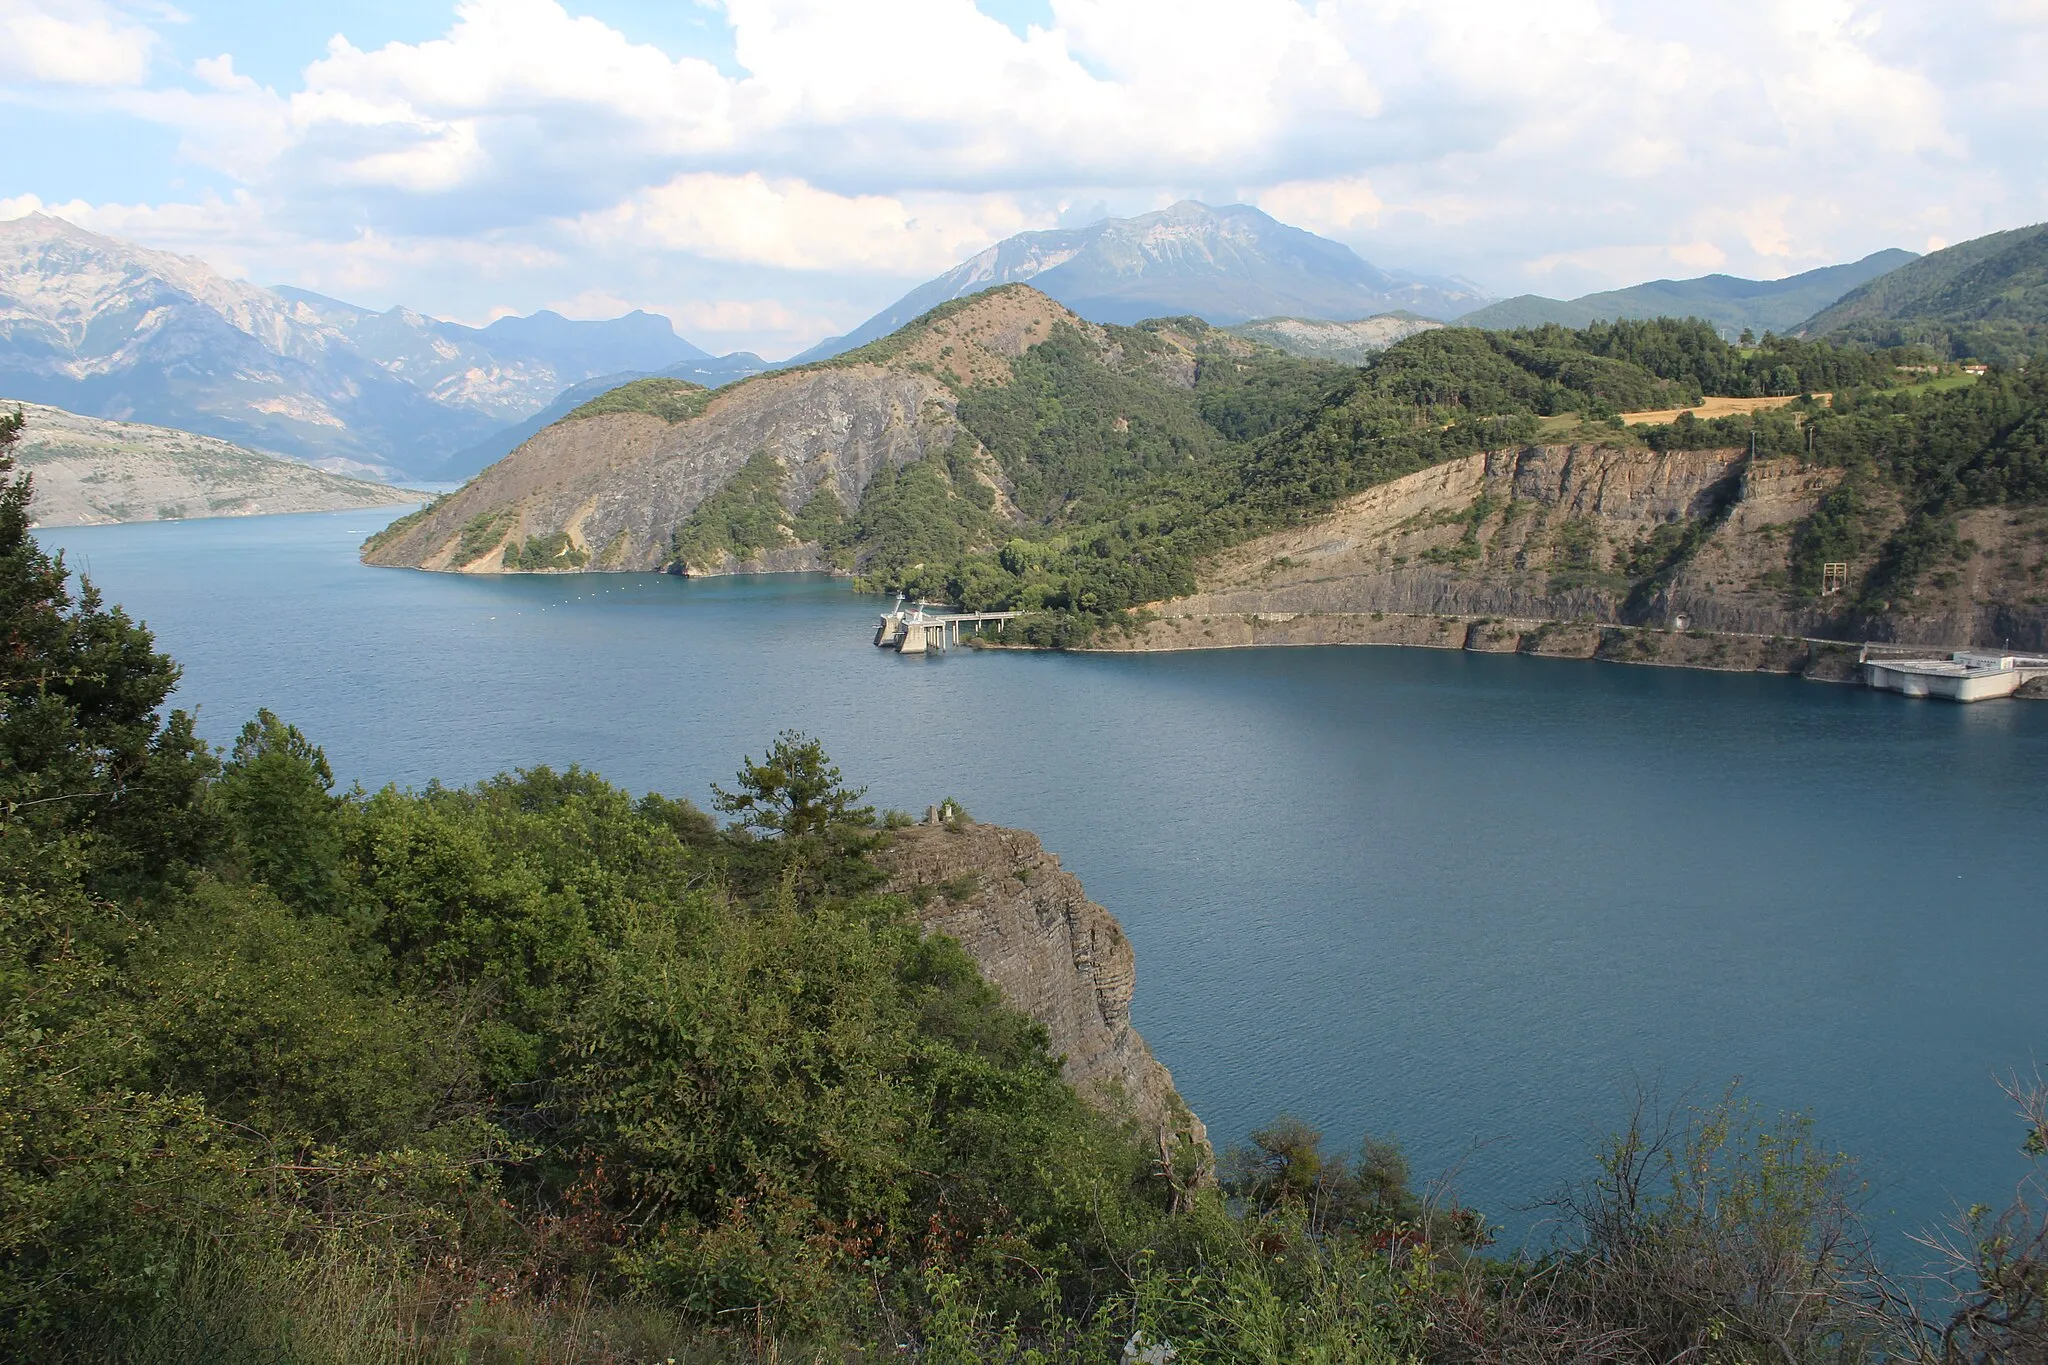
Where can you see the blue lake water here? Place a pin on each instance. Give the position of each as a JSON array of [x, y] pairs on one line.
[[1469, 901]]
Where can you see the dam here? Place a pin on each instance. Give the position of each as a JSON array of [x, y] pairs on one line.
[[1963, 675], [917, 631]]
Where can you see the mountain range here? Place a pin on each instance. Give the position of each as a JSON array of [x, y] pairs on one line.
[[1346, 343], [1730, 303], [105, 328], [1224, 265]]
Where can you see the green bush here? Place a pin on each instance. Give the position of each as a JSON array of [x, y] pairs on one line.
[[672, 400]]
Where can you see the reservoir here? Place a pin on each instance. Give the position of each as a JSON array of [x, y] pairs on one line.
[[1467, 901]]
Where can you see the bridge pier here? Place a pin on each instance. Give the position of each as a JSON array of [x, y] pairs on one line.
[[910, 632]]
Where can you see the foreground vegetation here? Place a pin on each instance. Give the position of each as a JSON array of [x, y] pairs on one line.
[[539, 1071]]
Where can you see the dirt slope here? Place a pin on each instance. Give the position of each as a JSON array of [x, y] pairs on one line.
[[90, 471]]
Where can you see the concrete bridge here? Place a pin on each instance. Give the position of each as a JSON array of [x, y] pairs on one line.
[[916, 631]]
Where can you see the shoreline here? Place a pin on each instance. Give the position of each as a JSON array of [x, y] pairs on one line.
[[1813, 659]]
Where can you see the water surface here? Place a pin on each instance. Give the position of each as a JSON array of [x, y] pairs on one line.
[[1466, 900]]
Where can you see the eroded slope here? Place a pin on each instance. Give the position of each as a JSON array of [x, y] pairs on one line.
[[1597, 536]]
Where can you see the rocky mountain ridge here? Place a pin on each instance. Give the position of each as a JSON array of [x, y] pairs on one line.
[[610, 490], [1344, 343], [96, 325], [90, 472], [1225, 265]]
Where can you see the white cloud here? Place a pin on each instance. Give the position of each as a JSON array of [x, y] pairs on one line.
[[1698, 255], [529, 154], [72, 42], [1342, 207], [790, 225]]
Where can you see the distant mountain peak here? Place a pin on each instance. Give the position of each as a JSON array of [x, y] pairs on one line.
[[104, 327], [1226, 264]]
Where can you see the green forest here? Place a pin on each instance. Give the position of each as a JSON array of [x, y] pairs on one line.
[[1985, 299], [1123, 482], [539, 1070]]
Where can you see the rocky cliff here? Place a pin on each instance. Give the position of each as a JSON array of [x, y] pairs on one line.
[[616, 486], [1345, 343], [1054, 954], [1596, 536]]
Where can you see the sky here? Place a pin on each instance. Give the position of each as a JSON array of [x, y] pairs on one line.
[[770, 172]]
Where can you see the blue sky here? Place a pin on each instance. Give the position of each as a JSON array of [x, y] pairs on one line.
[[766, 172]]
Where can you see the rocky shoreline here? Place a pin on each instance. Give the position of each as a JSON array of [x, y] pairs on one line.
[[1819, 660]]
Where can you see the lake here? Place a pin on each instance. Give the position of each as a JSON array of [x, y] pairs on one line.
[[1468, 901]]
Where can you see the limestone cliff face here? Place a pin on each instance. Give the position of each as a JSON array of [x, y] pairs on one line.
[[618, 485], [1526, 532], [1054, 954], [1568, 534]]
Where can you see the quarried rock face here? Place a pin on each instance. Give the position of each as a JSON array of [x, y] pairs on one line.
[[1054, 954], [1695, 540]]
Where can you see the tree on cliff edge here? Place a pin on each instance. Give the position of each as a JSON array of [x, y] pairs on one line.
[[800, 818]]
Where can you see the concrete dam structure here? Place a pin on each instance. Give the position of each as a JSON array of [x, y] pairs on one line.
[[1964, 675], [916, 631]]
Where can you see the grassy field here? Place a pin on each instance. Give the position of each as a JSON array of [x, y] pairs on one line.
[[1939, 384], [1713, 407]]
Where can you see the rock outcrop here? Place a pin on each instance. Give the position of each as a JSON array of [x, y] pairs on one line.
[[1054, 954], [1600, 536], [618, 485]]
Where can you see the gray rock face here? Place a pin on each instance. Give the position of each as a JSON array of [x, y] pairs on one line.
[[1549, 533], [1346, 343], [619, 485], [1054, 954], [1402, 548]]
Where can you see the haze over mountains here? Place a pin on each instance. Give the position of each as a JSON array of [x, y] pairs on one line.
[[1731, 304], [1224, 265], [105, 328]]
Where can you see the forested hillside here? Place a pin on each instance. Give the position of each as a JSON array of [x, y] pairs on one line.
[[1001, 453], [1732, 305], [1984, 299], [1265, 441], [536, 1070]]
